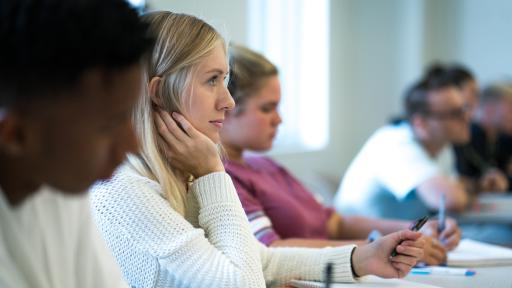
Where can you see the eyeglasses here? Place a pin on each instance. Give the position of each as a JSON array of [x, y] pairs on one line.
[[455, 114]]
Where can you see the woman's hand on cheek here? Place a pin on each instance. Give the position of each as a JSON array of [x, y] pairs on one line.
[[187, 148]]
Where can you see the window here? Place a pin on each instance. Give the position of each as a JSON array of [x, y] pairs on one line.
[[138, 4], [294, 35]]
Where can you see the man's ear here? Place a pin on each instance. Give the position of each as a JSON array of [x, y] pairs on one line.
[[419, 124], [153, 90], [11, 136]]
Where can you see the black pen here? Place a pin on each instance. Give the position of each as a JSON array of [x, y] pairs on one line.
[[415, 227], [328, 275], [441, 221]]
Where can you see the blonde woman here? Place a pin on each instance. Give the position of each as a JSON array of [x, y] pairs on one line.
[[171, 215]]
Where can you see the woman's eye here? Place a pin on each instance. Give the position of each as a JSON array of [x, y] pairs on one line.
[[213, 80], [266, 109]]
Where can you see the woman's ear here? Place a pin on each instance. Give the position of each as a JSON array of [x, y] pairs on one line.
[[153, 87]]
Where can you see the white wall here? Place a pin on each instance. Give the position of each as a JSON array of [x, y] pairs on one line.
[[377, 49], [227, 16]]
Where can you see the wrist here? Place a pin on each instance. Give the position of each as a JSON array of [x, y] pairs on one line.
[[355, 263], [217, 167]]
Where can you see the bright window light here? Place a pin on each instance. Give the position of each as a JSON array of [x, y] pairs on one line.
[[294, 35], [137, 3]]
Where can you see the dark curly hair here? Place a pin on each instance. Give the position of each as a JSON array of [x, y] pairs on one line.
[[47, 45]]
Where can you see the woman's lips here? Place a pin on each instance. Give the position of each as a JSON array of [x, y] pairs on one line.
[[217, 123]]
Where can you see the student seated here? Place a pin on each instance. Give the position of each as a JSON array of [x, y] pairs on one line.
[[70, 75], [487, 158], [403, 169], [281, 211], [482, 162], [171, 214]]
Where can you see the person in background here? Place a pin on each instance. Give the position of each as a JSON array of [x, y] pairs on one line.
[[171, 214], [403, 170], [70, 75], [476, 161], [463, 79], [486, 161], [281, 211]]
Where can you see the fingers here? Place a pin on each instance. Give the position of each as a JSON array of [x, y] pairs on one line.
[[434, 252], [408, 250], [189, 129], [164, 131], [168, 128], [401, 269], [430, 228], [451, 242], [450, 237], [408, 235]]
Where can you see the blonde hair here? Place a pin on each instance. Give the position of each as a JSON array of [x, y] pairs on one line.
[[249, 72], [182, 41]]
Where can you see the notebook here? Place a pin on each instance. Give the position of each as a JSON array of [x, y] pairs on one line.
[[472, 253], [366, 281]]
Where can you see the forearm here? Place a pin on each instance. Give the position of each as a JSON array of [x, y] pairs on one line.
[[281, 265], [354, 227], [314, 243], [457, 197], [223, 219]]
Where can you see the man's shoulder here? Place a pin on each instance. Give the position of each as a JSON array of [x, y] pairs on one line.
[[392, 136]]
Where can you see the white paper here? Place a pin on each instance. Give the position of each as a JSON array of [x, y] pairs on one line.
[[366, 281], [472, 253]]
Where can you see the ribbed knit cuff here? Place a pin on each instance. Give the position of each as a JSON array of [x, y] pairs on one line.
[[214, 188], [340, 258]]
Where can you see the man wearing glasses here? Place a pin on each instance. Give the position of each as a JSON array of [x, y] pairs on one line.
[[404, 169]]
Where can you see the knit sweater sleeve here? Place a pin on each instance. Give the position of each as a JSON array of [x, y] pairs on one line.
[[280, 265], [155, 246]]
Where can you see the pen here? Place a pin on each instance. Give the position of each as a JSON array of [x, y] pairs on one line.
[[442, 214], [328, 275], [415, 227], [374, 235], [443, 271]]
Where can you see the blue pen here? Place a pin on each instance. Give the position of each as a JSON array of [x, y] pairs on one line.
[[446, 271], [442, 214]]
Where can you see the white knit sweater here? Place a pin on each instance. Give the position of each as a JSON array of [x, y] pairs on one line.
[[211, 247]]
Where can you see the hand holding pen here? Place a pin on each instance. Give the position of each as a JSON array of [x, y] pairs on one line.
[[415, 227], [374, 258], [444, 228]]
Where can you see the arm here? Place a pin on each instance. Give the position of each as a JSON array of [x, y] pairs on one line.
[[315, 243], [261, 224], [134, 217], [456, 196], [434, 250], [358, 227], [283, 264]]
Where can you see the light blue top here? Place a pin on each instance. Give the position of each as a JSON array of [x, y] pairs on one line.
[[382, 179]]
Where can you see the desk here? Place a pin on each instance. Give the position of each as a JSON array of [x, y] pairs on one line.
[[489, 208], [486, 277]]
